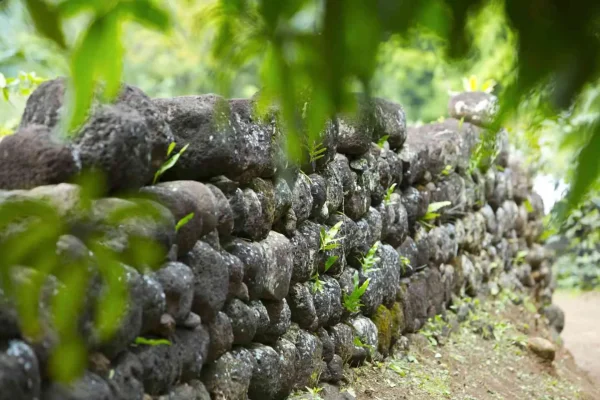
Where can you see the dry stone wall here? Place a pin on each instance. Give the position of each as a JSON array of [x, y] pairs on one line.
[[243, 294]]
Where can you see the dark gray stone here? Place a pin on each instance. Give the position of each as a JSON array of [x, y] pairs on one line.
[[131, 322], [356, 131], [224, 212], [335, 190], [279, 315], [33, 157], [236, 275], [19, 371], [318, 191], [409, 257], [287, 360], [45, 106], [229, 376], [221, 336], [223, 138], [390, 120], [256, 142], [384, 280], [161, 366], [126, 379], [366, 331], [183, 198], [268, 376], [252, 256], [395, 221], [279, 265], [192, 348], [154, 303], [177, 281], [335, 369], [194, 390], [211, 280], [89, 387], [302, 306], [266, 197], [309, 351], [443, 244], [283, 197], [343, 340], [328, 345], [114, 142], [302, 201], [243, 321]]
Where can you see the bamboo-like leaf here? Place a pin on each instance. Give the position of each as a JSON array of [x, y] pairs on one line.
[[83, 74], [151, 342], [183, 221], [148, 13], [587, 171], [47, 21]]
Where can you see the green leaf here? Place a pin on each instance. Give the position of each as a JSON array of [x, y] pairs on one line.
[[47, 20], [151, 342], [169, 164], [68, 361], [171, 148], [382, 140], [587, 171], [330, 261], [70, 8], [528, 206], [433, 207], [183, 221], [83, 74], [110, 68], [148, 13]]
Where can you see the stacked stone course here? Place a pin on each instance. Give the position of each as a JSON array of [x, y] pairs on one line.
[[236, 294]]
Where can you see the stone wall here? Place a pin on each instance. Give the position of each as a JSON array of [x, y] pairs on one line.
[[243, 294]]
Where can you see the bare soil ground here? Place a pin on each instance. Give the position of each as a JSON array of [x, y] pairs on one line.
[[582, 329], [485, 357]]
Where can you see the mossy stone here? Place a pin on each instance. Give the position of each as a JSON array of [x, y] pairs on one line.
[[384, 321]]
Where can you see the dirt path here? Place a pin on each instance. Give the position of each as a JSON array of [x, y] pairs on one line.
[[582, 329], [474, 365]]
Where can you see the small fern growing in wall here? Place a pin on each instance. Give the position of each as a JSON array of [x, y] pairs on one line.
[[316, 150], [329, 239], [404, 264], [432, 213], [352, 301], [318, 283], [370, 259], [387, 199]]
